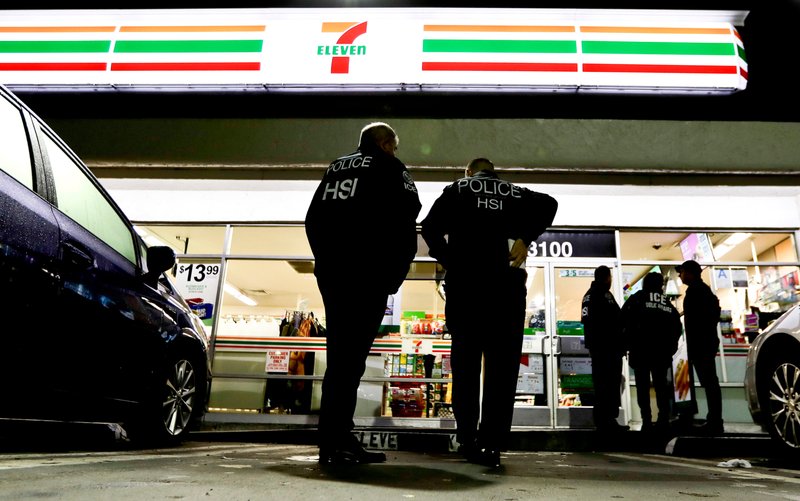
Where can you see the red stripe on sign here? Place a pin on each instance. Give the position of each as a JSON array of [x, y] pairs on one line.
[[52, 66], [743, 72], [658, 68], [340, 64], [444, 66], [185, 66]]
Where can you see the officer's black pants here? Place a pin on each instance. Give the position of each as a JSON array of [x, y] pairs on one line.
[[487, 325], [353, 315], [662, 387], [606, 378], [705, 366]]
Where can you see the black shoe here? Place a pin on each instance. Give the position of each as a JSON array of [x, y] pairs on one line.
[[612, 427], [662, 426], [710, 429], [349, 452], [486, 457], [647, 426], [470, 451]]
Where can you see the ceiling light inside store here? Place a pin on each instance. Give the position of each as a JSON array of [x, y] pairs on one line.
[[302, 266], [729, 243], [233, 291], [150, 239]]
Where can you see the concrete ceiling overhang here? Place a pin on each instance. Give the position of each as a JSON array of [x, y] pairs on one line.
[[437, 149]]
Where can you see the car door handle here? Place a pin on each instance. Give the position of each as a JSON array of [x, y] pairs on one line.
[[77, 256]]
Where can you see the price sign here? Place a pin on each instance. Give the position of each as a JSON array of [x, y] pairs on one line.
[[198, 283], [198, 272]]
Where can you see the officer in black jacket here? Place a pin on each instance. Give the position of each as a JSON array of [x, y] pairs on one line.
[[602, 330], [488, 224], [701, 312], [651, 328], [361, 226]]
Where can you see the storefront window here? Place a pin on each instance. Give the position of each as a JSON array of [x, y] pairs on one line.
[[185, 239], [754, 275], [269, 340], [269, 241], [270, 351]]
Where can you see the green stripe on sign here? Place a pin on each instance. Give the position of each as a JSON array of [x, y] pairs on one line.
[[741, 53], [508, 46], [664, 48], [150, 46], [55, 46]]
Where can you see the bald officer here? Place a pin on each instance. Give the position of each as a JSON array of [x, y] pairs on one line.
[[479, 230], [362, 229]]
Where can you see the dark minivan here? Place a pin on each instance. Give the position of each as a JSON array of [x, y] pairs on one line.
[[93, 329]]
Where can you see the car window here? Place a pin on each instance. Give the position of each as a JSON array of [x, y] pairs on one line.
[[81, 200], [143, 253], [15, 157]]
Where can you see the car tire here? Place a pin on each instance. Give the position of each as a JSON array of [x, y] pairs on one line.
[[177, 402], [779, 395]]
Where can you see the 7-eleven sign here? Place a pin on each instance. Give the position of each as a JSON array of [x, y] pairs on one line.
[[345, 46]]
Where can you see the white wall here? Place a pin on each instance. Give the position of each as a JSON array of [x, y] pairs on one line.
[[716, 207]]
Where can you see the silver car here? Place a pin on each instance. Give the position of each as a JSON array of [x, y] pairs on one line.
[[772, 380]]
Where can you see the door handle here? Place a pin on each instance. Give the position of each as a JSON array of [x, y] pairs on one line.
[[75, 255], [558, 345]]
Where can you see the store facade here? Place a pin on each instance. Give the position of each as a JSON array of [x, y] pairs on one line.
[[230, 193], [261, 347]]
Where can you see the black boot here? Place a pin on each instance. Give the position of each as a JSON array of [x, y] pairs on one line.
[[487, 457], [348, 451]]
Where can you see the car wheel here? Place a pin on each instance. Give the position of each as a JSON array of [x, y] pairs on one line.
[[781, 399], [177, 401]]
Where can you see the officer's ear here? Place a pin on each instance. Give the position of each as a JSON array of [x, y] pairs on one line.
[[389, 146]]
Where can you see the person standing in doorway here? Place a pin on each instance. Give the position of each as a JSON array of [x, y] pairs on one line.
[[651, 329], [701, 313], [602, 330], [361, 226], [479, 230]]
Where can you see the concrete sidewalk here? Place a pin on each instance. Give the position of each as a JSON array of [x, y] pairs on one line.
[[733, 443], [736, 442]]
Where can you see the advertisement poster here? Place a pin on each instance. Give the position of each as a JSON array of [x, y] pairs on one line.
[[531, 374], [697, 246], [726, 278], [391, 316], [722, 278], [739, 277], [198, 283]]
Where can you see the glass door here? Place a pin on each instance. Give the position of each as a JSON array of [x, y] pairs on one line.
[[535, 396], [573, 393]]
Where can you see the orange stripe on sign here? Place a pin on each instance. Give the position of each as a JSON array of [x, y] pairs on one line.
[[336, 27], [189, 29], [499, 28], [57, 29], [656, 31]]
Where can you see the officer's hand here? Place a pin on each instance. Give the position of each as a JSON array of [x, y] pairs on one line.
[[518, 253]]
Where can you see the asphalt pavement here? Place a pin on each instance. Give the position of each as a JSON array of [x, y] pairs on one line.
[[53, 435]]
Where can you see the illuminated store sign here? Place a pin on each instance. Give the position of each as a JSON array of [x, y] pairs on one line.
[[562, 243], [368, 49]]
